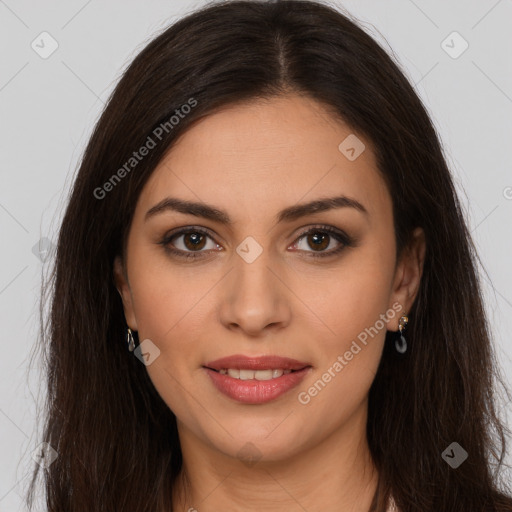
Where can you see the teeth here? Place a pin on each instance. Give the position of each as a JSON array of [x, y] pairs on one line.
[[246, 374], [254, 374], [266, 374]]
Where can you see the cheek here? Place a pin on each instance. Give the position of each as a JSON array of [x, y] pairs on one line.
[[353, 305], [165, 295], [169, 306], [350, 353], [350, 299]]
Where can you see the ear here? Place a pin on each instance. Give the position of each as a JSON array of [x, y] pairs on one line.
[[407, 278], [123, 287]]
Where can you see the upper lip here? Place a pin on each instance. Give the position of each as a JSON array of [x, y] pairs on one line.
[[242, 362]]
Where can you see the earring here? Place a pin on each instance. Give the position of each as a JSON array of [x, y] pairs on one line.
[[130, 340], [400, 341]]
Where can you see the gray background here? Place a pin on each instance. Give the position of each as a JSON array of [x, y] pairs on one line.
[[48, 107]]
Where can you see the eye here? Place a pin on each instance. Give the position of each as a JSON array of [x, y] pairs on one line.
[[192, 241], [321, 238]]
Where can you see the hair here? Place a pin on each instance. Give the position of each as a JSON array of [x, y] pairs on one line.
[[116, 439]]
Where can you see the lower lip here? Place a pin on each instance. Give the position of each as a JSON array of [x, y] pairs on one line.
[[256, 391]]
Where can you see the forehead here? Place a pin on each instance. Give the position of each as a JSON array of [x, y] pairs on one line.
[[272, 153]]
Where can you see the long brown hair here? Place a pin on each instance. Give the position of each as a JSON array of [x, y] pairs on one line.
[[116, 439]]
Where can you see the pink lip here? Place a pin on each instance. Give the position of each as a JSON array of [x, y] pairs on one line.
[[256, 391]]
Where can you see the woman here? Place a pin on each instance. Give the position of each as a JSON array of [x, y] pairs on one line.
[[265, 294]]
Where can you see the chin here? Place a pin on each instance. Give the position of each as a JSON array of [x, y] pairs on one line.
[[262, 442]]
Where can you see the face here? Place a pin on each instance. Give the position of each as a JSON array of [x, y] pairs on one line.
[[300, 297]]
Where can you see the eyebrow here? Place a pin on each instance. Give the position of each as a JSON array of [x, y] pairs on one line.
[[287, 215]]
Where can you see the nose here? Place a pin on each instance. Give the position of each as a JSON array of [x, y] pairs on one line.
[[255, 297]]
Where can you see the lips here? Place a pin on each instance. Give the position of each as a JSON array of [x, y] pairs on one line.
[[256, 380]]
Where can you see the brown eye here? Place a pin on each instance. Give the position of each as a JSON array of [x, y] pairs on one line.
[[318, 239], [189, 243]]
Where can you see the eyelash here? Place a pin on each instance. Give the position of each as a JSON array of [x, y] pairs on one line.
[[340, 236]]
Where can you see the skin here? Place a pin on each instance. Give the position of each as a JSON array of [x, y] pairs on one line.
[[252, 160]]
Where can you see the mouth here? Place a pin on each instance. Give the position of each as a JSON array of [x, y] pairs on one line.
[[256, 380], [256, 363], [245, 374]]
